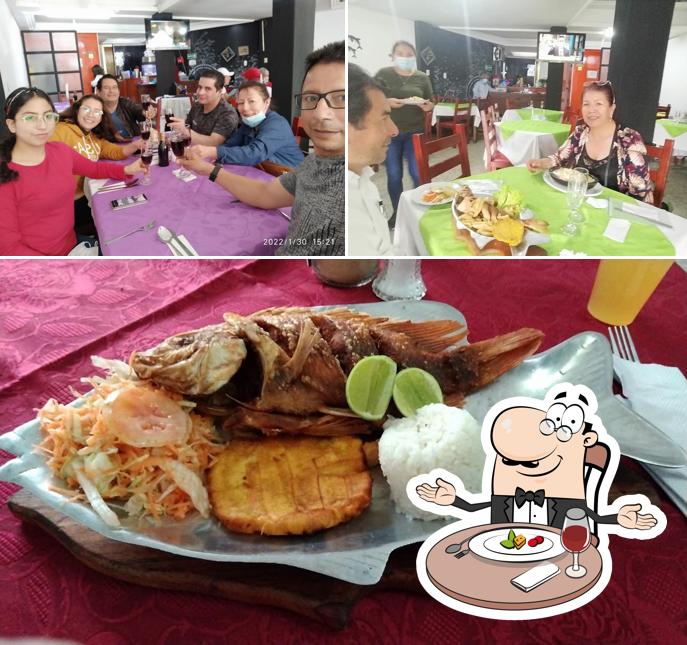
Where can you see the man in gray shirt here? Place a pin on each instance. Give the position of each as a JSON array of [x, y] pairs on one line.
[[316, 188], [211, 120]]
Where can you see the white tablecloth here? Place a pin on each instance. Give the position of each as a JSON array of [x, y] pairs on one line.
[[522, 146], [679, 145], [446, 111]]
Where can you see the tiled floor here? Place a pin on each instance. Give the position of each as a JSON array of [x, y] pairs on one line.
[[676, 188]]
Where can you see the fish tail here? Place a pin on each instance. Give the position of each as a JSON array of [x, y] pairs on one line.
[[488, 359]]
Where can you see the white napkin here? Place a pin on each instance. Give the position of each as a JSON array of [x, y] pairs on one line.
[[595, 202], [567, 253], [187, 178], [483, 186], [617, 229], [659, 394]]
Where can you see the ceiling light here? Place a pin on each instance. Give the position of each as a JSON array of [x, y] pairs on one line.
[[527, 54], [608, 33], [78, 14]]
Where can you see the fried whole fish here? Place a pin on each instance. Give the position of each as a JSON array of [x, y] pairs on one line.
[[297, 359], [289, 486]]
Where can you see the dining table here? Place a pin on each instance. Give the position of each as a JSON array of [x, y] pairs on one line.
[[56, 314], [532, 114], [211, 219], [525, 139], [430, 230], [446, 109], [672, 129]]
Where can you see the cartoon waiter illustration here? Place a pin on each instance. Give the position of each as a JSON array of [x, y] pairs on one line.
[[539, 467], [550, 463]]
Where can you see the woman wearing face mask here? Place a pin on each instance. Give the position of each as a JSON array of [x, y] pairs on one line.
[[612, 153], [36, 179], [263, 134], [404, 82], [86, 127]]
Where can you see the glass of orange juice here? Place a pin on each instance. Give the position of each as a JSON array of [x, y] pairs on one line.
[[622, 287]]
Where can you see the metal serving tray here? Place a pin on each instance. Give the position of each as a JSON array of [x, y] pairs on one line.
[[357, 551]]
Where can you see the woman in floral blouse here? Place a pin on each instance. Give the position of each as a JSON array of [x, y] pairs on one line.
[[613, 154]]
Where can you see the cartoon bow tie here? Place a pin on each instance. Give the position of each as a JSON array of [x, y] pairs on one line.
[[537, 497]]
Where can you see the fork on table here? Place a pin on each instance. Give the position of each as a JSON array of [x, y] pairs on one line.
[[621, 343], [145, 227]]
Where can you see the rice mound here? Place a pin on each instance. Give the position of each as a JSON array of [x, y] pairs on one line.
[[438, 436]]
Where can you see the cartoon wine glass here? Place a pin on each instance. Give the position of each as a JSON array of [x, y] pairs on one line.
[[576, 537]]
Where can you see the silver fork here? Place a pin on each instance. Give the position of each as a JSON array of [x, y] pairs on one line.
[[621, 343], [145, 227]]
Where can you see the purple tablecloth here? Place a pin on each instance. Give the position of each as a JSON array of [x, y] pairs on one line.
[[200, 210]]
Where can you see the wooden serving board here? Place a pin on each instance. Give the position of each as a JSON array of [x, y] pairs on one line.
[[321, 598]]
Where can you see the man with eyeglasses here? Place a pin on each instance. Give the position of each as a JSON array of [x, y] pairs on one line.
[[316, 188], [539, 455]]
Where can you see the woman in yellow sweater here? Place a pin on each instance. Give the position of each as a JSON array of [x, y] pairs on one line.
[[85, 126]]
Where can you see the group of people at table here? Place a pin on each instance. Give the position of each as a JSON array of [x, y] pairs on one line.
[[382, 122], [47, 156]]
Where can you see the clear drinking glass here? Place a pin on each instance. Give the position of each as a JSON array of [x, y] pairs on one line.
[[576, 192], [400, 279], [575, 538], [147, 159]]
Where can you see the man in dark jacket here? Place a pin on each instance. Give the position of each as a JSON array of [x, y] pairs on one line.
[[126, 115]]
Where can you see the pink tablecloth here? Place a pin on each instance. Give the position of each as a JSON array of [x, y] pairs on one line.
[[44, 590], [212, 220]]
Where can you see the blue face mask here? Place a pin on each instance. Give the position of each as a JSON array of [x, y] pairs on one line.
[[254, 120], [406, 64]]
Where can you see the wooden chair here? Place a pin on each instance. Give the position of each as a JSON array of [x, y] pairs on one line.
[[663, 112], [571, 117], [300, 135], [273, 168], [428, 124], [424, 148], [492, 157], [497, 112], [659, 174], [461, 115]]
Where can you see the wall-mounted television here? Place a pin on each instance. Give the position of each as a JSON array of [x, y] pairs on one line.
[[560, 48], [167, 34]]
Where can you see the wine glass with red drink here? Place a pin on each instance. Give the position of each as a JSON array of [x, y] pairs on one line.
[[575, 537], [178, 148], [145, 130], [147, 159]]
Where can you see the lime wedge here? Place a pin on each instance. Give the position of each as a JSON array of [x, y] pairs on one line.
[[369, 387], [413, 389]]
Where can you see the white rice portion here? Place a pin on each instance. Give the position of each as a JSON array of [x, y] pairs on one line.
[[438, 436]]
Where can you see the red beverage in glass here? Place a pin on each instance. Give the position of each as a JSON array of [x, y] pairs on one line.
[[145, 105], [147, 157], [575, 538], [145, 135], [178, 147]]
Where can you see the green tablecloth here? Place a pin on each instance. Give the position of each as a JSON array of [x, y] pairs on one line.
[[560, 131], [549, 115], [438, 233], [673, 128]]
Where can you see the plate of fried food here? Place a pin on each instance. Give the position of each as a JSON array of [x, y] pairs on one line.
[[234, 442], [414, 100], [559, 176], [500, 216], [435, 193]]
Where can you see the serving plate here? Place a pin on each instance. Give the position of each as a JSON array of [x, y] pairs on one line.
[[357, 551], [553, 173], [592, 191], [417, 193], [488, 545]]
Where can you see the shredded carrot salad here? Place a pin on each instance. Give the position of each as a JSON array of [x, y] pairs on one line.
[[133, 442]]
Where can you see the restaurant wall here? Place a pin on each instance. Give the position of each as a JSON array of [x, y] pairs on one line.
[[208, 45], [12, 64], [458, 60], [371, 35], [674, 87], [329, 27]]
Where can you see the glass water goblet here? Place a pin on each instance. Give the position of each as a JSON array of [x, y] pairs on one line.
[[575, 538], [575, 193], [147, 159], [400, 279]]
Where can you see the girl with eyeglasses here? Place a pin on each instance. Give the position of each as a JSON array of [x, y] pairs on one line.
[[37, 179], [611, 152], [87, 127]]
